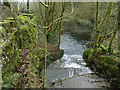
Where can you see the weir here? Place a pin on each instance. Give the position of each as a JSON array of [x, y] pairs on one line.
[[71, 70]]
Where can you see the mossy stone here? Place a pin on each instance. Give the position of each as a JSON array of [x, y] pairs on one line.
[[105, 63], [87, 53]]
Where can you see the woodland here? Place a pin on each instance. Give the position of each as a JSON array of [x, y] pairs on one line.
[[30, 39]]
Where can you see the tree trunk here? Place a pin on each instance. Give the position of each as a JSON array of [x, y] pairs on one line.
[[60, 24], [28, 6], [119, 27], [106, 21], [111, 41], [97, 31]]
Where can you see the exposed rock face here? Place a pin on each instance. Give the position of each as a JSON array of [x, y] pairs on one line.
[[85, 81]]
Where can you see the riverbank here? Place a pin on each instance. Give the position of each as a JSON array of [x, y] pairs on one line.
[[71, 71], [106, 64], [24, 52]]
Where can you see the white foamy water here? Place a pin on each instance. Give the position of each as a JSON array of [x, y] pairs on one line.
[[71, 46], [72, 62], [73, 52], [71, 65], [75, 61]]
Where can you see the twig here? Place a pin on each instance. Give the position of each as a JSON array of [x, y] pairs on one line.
[[44, 4], [97, 56], [56, 19]]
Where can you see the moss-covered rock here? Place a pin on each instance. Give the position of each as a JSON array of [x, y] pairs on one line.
[[38, 52], [107, 64], [57, 55], [88, 53]]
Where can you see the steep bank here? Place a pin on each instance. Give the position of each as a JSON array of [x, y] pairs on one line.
[[106, 64], [24, 51]]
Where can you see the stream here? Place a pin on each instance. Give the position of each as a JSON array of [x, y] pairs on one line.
[[71, 70]]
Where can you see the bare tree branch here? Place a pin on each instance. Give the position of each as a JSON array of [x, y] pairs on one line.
[[56, 19]]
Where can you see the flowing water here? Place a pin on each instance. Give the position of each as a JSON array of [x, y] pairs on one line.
[[71, 71]]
